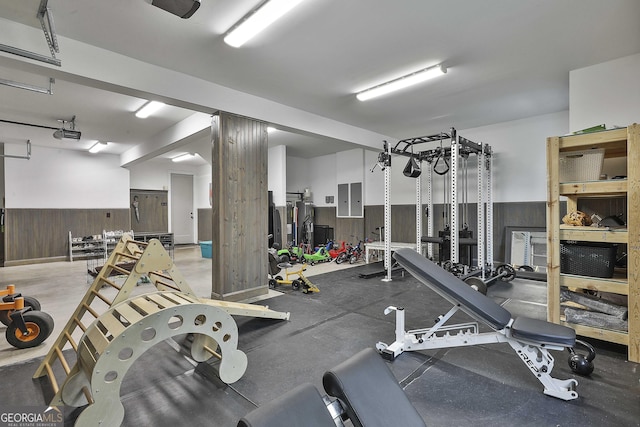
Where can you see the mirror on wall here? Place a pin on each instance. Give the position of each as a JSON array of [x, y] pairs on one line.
[[526, 247]]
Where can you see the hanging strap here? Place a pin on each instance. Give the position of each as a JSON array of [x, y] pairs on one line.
[[412, 169], [443, 158]]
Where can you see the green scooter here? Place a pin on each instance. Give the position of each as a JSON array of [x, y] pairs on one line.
[[321, 255]]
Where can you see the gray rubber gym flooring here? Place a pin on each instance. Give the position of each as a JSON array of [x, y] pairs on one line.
[[483, 385]]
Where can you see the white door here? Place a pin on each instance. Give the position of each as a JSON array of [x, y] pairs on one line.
[[182, 224]]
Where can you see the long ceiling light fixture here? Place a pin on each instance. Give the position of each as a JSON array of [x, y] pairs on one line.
[[183, 157], [402, 82], [148, 109], [260, 18], [98, 146]]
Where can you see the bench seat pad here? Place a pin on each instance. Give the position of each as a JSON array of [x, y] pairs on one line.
[[301, 406], [543, 332], [370, 393]]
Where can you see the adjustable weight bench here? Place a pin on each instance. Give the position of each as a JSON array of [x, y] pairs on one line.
[[366, 393], [531, 339]]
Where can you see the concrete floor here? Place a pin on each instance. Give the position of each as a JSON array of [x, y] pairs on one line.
[[483, 385], [59, 286]]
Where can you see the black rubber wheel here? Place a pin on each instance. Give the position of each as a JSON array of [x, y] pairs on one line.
[[508, 271], [39, 326], [296, 284], [5, 315], [272, 283], [353, 259], [477, 284], [525, 268], [340, 258]]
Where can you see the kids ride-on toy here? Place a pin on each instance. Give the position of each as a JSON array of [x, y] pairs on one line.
[[299, 282], [335, 252], [27, 326], [320, 255], [291, 254], [353, 254]]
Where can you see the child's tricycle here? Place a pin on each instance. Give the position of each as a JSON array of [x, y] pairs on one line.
[[27, 326]]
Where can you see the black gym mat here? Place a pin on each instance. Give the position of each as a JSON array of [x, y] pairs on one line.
[[484, 385]]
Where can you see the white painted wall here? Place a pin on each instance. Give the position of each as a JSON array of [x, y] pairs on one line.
[[606, 93], [324, 170], [277, 173], [519, 164], [350, 166], [150, 175], [520, 158], [69, 179], [373, 181], [201, 182], [298, 174]]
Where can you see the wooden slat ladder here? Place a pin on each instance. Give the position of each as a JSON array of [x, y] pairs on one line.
[[122, 334], [95, 301], [150, 260]]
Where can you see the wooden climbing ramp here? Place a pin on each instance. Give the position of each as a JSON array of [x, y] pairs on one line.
[[108, 309]]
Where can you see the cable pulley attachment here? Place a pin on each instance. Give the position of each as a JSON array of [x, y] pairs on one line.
[[412, 169], [442, 157]]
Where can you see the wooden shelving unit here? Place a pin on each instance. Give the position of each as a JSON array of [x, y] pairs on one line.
[[621, 143]]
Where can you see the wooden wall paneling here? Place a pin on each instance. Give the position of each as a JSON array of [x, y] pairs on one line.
[[41, 235], [348, 230], [373, 217], [204, 224], [153, 208], [604, 207], [239, 214], [514, 214], [529, 214], [325, 216]]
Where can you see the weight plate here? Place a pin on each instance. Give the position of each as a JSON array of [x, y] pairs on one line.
[[506, 272], [477, 284]]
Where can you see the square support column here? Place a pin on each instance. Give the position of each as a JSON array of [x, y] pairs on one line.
[[240, 206]]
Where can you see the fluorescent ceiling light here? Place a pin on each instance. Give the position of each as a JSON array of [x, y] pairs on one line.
[[402, 82], [148, 109], [97, 147], [183, 157], [271, 129], [258, 20]]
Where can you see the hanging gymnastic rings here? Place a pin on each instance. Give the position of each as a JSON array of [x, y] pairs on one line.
[[579, 363]]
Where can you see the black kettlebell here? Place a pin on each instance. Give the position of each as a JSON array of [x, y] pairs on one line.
[[579, 363]]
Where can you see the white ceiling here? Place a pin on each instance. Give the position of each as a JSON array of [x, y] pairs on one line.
[[506, 60]]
